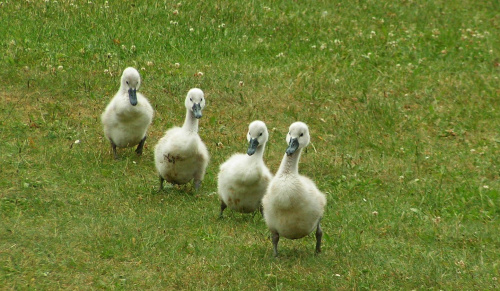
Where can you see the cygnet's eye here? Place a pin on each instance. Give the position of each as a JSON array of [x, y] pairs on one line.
[[201, 100], [301, 134], [191, 99], [260, 134], [127, 82]]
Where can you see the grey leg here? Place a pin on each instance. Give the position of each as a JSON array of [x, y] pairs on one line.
[[319, 235], [161, 182], [140, 146], [275, 238], [260, 209], [113, 146], [197, 184], [222, 207]]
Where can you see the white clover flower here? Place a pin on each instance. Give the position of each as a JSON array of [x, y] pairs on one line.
[[149, 63], [240, 83], [60, 68], [177, 65], [175, 12], [133, 48], [191, 29], [435, 33]]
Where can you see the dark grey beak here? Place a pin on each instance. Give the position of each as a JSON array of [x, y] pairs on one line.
[[197, 110], [292, 146], [252, 146], [132, 95]]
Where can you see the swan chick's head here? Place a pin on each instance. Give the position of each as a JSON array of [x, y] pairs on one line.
[[257, 136], [297, 137], [195, 102], [131, 81]]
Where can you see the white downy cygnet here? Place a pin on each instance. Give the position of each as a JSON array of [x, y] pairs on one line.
[[180, 155], [293, 205], [243, 178], [128, 115]]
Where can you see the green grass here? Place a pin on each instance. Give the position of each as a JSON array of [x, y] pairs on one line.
[[402, 99]]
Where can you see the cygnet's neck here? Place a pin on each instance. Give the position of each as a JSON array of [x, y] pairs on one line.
[[191, 122], [259, 153], [290, 164]]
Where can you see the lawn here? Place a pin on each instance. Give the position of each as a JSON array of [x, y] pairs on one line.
[[402, 100]]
